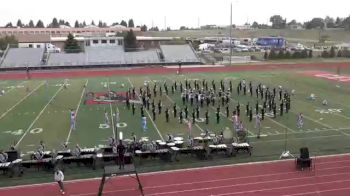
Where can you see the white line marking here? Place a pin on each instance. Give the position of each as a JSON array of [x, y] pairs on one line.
[[220, 180], [196, 169], [20, 101], [77, 110], [154, 124], [302, 138], [111, 109], [38, 116], [319, 191], [277, 188]]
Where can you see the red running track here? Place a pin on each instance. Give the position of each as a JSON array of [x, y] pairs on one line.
[[21, 75], [331, 176]]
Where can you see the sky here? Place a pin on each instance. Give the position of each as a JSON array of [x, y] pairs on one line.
[[176, 13]]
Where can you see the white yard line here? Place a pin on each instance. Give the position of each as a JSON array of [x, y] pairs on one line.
[[15, 88], [324, 124], [20, 101], [77, 110], [38, 116], [110, 106], [154, 124]]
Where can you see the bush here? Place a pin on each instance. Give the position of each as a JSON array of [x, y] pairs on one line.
[[287, 55], [332, 52], [266, 55], [272, 54], [304, 54], [325, 54], [296, 55], [281, 54], [311, 54], [339, 54]]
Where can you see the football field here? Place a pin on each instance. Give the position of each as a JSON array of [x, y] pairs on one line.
[[39, 110]]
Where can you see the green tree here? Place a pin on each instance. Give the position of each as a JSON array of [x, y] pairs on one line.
[[40, 24], [255, 25], [304, 54], [310, 53], [130, 40], [31, 24], [278, 22], [272, 54], [123, 23], [19, 23], [100, 24], [76, 24], [287, 55], [144, 28], [72, 45], [9, 25], [4, 41], [332, 52], [84, 24], [315, 23], [281, 54], [346, 23], [93, 23], [54, 23], [339, 54], [325, 54], [266, 55], [131, 23], [330, 22]]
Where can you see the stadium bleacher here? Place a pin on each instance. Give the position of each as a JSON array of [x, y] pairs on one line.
[[63, 59], [176, 53], [23, 57], [99, 55]]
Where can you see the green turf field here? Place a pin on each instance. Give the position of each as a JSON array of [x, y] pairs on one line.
[[36, 110]]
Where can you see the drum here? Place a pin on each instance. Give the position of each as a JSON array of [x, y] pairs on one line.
[[179, 143], [178, 138], [170, 144]]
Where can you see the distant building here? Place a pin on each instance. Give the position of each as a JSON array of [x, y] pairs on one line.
[[244, 27], [296, 26]]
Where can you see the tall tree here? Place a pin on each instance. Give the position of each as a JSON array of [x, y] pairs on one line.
[[19, 23], [9, 25], [330, 22], [76, 25], [255, 25], [4, 41], [123, 23], [93, 23], [315, 23], [31, 24], [339, 22], [130, 39], [143, 28], [346, 23], [131, 23], [278, 22], [72, 45], [54, 23], [40, 24], [84, 24], [100, 24]]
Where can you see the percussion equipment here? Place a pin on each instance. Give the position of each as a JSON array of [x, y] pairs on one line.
[[241, 147], [178, 139]]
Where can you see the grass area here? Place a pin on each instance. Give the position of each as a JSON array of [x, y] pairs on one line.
[[304, 36], [35, 110]]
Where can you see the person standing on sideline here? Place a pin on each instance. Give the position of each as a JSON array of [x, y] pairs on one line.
[[59, 177], [121, 151]]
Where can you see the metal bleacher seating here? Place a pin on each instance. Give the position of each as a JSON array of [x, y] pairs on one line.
[[23, 57], [176, 53]]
